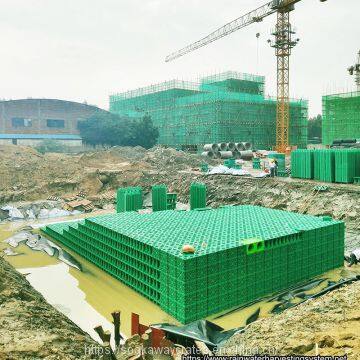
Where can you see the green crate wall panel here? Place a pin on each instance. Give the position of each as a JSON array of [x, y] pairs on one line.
[[159, 197], [129, 199], [347, 165], [341, 117], [224, 107], [324, 165], [197, 196], [242, 253], [302, 164]]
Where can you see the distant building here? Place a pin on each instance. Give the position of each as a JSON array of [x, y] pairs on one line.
[[31, 121], [341, 117], [226, 107]]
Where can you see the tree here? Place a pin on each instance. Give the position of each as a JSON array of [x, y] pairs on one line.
[[315, 127], [47, 146], [146, 133], [111, 129]]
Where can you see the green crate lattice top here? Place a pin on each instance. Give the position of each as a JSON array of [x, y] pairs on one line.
[[209, 230]]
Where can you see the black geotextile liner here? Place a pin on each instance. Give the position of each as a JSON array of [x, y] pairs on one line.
[[213, 335], [202, 330]]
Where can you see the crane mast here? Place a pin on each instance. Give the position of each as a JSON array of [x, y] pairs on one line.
[[283, 45]]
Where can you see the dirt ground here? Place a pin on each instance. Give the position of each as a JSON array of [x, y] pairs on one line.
[[27, 175], [328, 325], [30, 328]]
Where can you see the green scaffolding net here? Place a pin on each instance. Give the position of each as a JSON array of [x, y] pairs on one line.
[[341, 117], [226, 107]]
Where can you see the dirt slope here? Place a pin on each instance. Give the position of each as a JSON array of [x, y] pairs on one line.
[[30, 328], [329, 325]]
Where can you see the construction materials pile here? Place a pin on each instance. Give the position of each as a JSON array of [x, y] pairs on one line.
[[241, 150], [241, 253], [346, 143]]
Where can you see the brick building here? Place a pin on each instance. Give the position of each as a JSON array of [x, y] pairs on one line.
[[30, 121]]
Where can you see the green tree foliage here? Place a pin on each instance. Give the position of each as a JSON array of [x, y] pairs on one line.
[[111, 129], [47, 146], [314, 127]]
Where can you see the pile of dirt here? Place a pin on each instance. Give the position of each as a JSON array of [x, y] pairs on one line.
[[327, 326], [29, 175], [30, 328]]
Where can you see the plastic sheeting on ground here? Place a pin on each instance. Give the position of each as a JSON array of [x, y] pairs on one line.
[[40, 243], [202, 330], [15, 214], [221, 169]]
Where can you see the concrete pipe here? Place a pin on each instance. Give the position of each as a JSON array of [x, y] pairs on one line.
[[217, 154], [246, 155], [226, 154], [236, 154], [247, 145], [231, 146], [209, 154], [210, 147], [240, 146], [222, 146]]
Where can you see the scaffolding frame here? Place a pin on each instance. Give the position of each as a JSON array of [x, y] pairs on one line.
[[341, 117], [229, 106]]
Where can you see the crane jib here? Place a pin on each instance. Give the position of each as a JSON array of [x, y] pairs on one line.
[[251, 17]]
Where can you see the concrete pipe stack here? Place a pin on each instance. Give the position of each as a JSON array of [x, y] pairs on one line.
[[246, 155], [222, 146], [229, 150], [226, 154], [240, 146], [211, 147], [211, 151], [231, 146], [208, 154]]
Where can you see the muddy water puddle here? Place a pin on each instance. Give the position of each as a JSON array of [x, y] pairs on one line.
[[88, 297]]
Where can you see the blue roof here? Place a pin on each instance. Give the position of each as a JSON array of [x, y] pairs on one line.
[[41, 136]]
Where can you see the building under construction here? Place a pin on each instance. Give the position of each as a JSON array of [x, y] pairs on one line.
[[341, 117], [225, 107]]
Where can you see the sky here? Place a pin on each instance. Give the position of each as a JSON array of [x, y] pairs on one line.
[[85, 50]]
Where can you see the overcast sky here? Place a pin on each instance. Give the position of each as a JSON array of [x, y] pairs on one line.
[[87, 49]]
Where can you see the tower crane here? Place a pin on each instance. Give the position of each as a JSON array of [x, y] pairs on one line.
[[355, 70], [282, 44]]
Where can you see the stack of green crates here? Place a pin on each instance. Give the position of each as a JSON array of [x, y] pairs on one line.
[[159, 197], [324, 165], [230, 163], [256, 163], [242, 253], [302, 164], [347, 165], [129, 199], [171, 201], [197, 196], [204, 167]]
